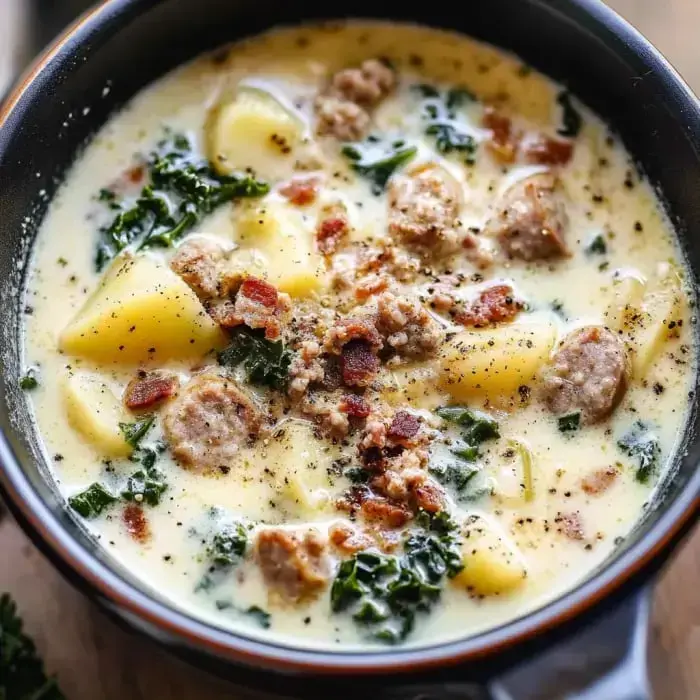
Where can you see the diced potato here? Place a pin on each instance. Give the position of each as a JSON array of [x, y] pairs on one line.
[[659, 307], [493, 565], [494, 362], [300, 464], [142, 311], [95, 412], [627, 295], [415, 383], [253, 130], [277, 245]]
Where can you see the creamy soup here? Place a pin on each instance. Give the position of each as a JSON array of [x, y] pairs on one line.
[[357, 334]]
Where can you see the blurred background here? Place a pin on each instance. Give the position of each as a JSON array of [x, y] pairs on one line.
[[97, 661]]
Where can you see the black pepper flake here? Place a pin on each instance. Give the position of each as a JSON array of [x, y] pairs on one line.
[[224, 469], [58, 457], [658, 388], [638, 226]]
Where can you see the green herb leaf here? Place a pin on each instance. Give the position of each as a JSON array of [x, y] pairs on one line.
[[597, 246], [448, 138], [91, 502], [569, 423], [458, 97], [22, 674], [357, 475], [425, 90], [229, 545], [29, 381], [378, 162], [266, 362], [571, 119], [136, 431], [262, 617], [146, 485], [641, 442], [478, 426]]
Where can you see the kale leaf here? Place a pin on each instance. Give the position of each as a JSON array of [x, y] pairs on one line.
[[449, 138], [641, 442], [377, 162], [384, 593], [182, 190], [22, 674], [477, 427], [569, 423], [228, 546], [262, 617], [266, 362], [571, 118], [29, 380], [597, 245], [92, 501], [136, 431], [465, 479], [148, 484]]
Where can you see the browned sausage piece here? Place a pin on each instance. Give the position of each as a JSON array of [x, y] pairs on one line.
[[530, 220], [149, 389], [208, 422], [347, 539], [588, 374], [599, 481], [495, 304], [294, 565], [198, 261]]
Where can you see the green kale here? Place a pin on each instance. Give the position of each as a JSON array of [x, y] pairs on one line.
[[597, 246], [458, 97], [641, 442], [569, 423], [465, 479], [384, 593], [29, 381], [266, 362], [449, 138], [571, 118], [425, 90], [136, 431], [228, 546], [262, 617], [357, 475], [558, 307], [377, 162], [22, 674], [182, 190], [92, 501], [148, 484], [477, 427]]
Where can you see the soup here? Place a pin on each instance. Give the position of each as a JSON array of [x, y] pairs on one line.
[[357, 335]]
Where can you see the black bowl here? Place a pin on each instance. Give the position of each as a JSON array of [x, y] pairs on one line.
[[116, 49]]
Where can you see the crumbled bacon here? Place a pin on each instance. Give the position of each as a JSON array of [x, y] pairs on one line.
[[136, 522], [348, 329], [570, 525], [330, 232], [358, 364], [543, 150], [147, 390], [494, 305], [503, 144], [355, 406], [301, 191], [136, 174], [347, 539], [599, 481], [429, 497], [259, 291], [378, 509], [371, 285], [404, 426]]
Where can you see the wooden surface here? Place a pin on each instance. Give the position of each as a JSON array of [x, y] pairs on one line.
[[97, 661]]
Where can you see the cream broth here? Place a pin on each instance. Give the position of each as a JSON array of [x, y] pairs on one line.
[[538, 533]]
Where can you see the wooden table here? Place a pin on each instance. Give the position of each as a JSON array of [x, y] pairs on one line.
[[97, 661]]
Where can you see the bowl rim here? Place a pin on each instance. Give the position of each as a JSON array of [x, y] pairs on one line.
[[42, 525]]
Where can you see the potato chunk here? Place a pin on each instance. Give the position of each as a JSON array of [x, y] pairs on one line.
[[627, 295], [141, 311], [276, 245], [494, 362], [253, 131], [493, 565], [95, 412]]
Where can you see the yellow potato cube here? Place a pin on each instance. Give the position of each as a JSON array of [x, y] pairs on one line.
[[142, 311], [253, 131], [493, 565], [277, 245], [95, 412], [415, 384], [627, 295], [494, 362]]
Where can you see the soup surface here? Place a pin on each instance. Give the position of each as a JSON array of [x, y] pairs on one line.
[[358, 335]]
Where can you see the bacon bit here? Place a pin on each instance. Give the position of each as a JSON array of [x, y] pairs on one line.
[[357, 363], [494, 305], [136, 523], [355, 406], [301, 192], [259, 291], [373, 284], [136, 174], [429, 497], [347, 539], [570, 525], [599, 481], [503, 144], [329, 234], [404, 426], [147, 390], [380, 509], [543, 150]]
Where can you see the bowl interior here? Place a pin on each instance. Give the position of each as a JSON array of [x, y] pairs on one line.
[[578, 42]]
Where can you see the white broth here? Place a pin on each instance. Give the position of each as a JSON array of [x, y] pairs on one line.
[[394, 346]]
